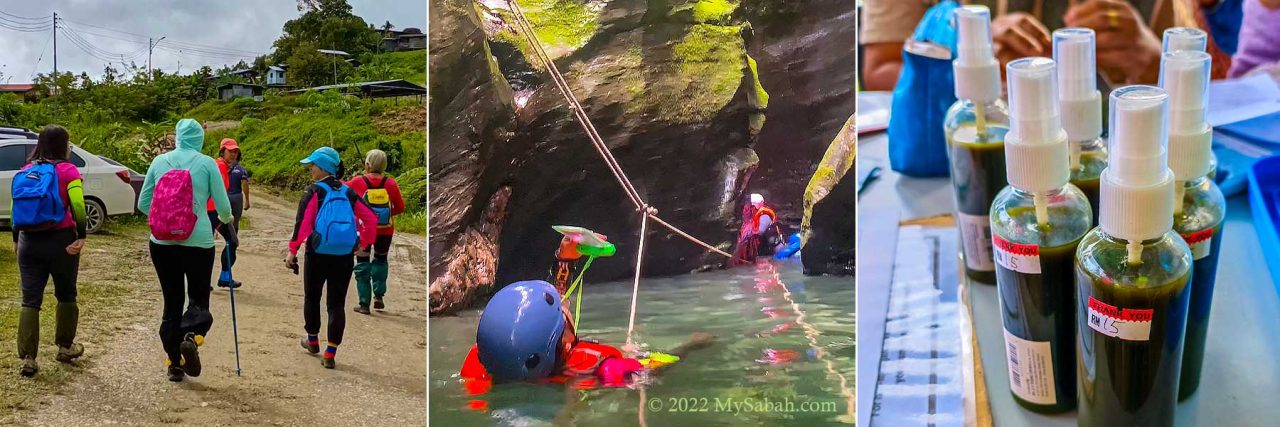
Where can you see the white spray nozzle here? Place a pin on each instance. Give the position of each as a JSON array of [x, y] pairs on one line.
[[1074, 51], [1184, 38], [1033, 101], [1184, 75], [973, 28], [977, 74], [1138, 135], [1036, 146], [1136, 188]]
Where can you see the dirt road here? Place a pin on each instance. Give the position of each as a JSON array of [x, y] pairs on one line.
[[380, 378]]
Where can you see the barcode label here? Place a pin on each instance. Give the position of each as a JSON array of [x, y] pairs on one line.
[[1200, 242], [1126, 324], [1030, 369], [1015, 256], [975, 231]]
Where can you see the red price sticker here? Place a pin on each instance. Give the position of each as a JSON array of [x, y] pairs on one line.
[[1124, 323], [1018, 257]]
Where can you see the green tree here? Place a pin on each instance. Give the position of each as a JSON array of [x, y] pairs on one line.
[[331, 26], [309, 67]]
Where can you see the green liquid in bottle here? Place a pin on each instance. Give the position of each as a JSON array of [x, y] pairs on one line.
[[978, 174], [1200, 225], [1086, 177], [1131, 323]]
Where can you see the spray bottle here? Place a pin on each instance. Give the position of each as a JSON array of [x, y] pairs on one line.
[[1073, 50], [1036, 224], [975, 127], [1132, 273], [1186, 38], [1198, 204]]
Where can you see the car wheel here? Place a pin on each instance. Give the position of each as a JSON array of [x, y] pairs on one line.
[[96, 213]]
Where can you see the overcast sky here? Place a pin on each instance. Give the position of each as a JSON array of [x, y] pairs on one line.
[[207, 32]]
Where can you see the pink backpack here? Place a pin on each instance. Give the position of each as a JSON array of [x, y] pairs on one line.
[[172, 216]]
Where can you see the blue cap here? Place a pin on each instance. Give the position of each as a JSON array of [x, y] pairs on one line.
[[519, 332], [324, 157]]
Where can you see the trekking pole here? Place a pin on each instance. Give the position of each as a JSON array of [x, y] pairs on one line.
[[235, 331]]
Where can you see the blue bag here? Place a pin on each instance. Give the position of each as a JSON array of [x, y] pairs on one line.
[[37, 200], [925, 90], [335, 228]]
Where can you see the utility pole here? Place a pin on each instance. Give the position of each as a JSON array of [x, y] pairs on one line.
[[150, 48], [55, 46]]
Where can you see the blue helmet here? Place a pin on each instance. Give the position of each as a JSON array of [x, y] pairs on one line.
[[520, 331]]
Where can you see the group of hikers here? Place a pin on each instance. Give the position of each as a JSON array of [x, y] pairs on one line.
[[527, 331], [344, 229]]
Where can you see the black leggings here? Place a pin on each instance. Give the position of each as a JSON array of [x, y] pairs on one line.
[[184, 272], [381, 247], [330, 274], [42, 255], [230, 235]]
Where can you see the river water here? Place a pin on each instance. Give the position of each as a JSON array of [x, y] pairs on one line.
[[778, 359]]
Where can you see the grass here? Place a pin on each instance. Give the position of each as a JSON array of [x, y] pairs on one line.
[[102, 291]]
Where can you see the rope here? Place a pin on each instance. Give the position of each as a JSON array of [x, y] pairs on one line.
[[811, 333], [577, 305], [635, 286]]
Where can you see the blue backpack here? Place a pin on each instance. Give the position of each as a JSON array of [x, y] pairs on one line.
[[925, 90], [335, 228], [37, 199]]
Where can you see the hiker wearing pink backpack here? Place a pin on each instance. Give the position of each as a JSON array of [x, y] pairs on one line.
[[173, 196]]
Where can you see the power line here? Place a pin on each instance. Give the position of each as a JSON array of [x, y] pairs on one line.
[[19, 17], [171, 41], [41, 58]]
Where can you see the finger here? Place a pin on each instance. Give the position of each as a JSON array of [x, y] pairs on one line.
[[1094, 7], [1038, 32], [1022, 43], [1010, 42]]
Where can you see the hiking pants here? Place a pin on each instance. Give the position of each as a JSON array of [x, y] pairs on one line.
[[237, 208], [372, 276], [184, 272], [330, 275], [231, 236], [42, 255]]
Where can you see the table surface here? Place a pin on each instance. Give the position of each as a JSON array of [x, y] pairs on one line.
[[1241, 374]]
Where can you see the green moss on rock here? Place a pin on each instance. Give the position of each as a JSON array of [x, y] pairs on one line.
[[710, 59], [713, 10]]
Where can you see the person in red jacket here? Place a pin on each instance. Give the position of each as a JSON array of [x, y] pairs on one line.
[[757, 220], [382, 194], [525, 334], [228, 155]]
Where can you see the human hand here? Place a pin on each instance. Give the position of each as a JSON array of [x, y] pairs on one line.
[[1019, 35], [291, 262], [75, 247], [246, 204], [1126, 47], [362, 252]]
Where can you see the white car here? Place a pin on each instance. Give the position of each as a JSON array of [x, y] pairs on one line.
[[107, 188]]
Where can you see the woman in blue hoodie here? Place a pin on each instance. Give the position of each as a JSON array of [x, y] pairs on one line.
[[185, 267]]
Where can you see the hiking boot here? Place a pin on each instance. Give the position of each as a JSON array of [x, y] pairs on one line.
[[190, 355], [311, 348], [28, 367], [327, 362], [68, 354], [176, 374], [362, 309], [377, 303]]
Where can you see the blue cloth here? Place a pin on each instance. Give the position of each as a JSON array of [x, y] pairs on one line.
[[925, 90], [236, 176], [1224, 24], [324, 157]]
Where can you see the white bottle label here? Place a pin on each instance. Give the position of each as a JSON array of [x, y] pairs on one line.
[[1200, 243], [975, 232], [1030, 369], [1017, 257], [1126, 324]]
